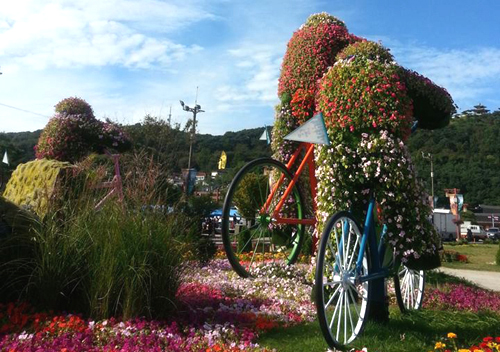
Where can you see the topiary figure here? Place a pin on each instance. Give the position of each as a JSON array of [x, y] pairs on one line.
[[68, 138], [74, 132], [369, 103], [75, 106]]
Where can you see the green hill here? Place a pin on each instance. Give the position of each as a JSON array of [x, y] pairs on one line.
[[466, 154]]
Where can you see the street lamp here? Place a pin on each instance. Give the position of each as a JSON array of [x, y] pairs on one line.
[[195, 110], [429, 156]]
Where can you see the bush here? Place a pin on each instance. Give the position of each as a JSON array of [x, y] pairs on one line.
[[244, 243], [120, 261], [497, 257], [74, 132], [453, 256], [115, 262], [75, 106]]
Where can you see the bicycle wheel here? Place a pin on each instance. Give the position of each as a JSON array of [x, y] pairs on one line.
[[251, 235], [409, 288], [342, 301]]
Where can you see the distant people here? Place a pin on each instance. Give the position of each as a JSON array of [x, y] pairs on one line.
[[469, 235]]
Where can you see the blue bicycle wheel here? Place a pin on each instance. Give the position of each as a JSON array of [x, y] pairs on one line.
[[342, 299], [409, 287]]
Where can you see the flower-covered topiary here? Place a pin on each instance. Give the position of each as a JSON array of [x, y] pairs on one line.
[[369, 103], [368, 50], [432, 104], [364, 96], [323, 18], [112, 136], [378, 163], [67, 138], [310, 52], [74, 132], [75, 106]]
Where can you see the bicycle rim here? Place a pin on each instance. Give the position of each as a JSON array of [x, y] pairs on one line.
[[409, 287], [251, 236], [341, 302]]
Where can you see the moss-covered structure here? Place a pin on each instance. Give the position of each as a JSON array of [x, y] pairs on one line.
[[32, 184]]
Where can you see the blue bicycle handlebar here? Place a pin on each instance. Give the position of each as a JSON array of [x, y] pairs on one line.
[[414, 126]]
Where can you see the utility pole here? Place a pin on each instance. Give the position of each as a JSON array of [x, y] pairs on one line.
[[170, 117], [195, 110], [429, 156]]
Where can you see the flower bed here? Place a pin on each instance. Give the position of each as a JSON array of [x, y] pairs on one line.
[[488, 344], [461, 297], [218, 312]]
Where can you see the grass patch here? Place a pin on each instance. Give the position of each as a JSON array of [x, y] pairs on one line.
[[481, 257], [418, 331]]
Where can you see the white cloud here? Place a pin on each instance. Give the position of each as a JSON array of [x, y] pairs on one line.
[[42, 34]]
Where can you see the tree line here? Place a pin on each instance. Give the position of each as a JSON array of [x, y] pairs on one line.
[[466, 154]]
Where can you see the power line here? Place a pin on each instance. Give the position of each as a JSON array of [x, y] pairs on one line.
[[23, 110]]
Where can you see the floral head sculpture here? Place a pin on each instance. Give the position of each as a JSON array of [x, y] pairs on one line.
[[74, 132], [369, 104]]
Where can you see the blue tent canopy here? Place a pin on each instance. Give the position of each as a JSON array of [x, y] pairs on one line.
[[218, 212]]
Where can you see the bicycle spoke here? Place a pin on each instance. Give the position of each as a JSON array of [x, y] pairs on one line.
[[354, 301], [349, 311], [354, 251], [339, 302], [345, 316], [333, 296]]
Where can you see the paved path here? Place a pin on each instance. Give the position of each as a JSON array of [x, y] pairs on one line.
[[486, 279]]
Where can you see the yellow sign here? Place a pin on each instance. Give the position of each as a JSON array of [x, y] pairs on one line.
[[222, 161]]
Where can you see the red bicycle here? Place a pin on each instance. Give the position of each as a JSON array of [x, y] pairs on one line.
[[269, 210]]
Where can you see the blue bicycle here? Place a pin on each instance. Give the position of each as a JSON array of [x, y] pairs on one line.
[[350, 258]]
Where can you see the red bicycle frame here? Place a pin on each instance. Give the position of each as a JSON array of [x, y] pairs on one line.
[[308, 160]]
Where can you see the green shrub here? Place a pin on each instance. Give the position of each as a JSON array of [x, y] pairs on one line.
[[244, 242], [74, 132], [497, 257], [115, 262], [15, 244]]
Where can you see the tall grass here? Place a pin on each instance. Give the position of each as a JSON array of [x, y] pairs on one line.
[[123, 260]]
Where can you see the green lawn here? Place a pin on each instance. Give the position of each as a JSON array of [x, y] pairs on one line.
[[481, 256], [414, 332]]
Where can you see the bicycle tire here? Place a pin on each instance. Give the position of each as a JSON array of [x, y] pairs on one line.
[[352, 297], [409, 286], [260, 229]]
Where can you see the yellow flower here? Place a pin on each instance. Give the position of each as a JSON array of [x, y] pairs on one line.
[[439, 345], [452, 335], [463, 350]]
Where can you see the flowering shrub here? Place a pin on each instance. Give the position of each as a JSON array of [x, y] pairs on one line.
[[75, 106], [74, 132], [364, 96], [67, 138], [310, 51], [377, 164], [488, 344], [368, 50], [432, 105], [453, 256]]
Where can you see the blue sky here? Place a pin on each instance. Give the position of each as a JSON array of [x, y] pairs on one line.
[[129, 58]]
